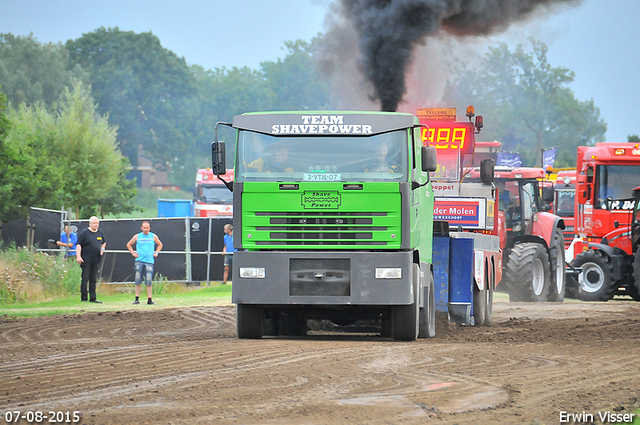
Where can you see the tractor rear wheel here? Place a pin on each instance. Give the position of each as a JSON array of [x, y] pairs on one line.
[[635, 285], [528, 272], [596, 280], [558, 271]]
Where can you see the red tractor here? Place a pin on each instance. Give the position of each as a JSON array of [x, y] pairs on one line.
[[534, 265]]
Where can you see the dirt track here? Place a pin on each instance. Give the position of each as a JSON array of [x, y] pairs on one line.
[[185, 366]]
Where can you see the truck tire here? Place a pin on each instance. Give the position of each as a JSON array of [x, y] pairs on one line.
[[596, 280], [479, 306], [489, 311], [484, 314], [249, 321], [635, 284], [428, 312], [558, 271], [528, 272], [405, 321]]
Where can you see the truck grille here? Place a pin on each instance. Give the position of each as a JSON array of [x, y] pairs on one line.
[[569, 234], [321, 228]]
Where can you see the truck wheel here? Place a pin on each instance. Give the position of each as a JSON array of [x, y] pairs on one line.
[[635, 285], [596, 280], [249, 321], [489, 310], [479, 306], [558, 271], [428, 312], [405, 321], [528, 273]]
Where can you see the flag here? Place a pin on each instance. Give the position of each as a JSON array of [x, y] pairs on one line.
[[507, 159], [548, 157]]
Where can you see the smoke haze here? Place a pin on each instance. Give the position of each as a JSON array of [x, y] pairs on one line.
[[388, 32]]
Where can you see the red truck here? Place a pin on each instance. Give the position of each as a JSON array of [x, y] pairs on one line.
[[606, 174], [211, 198]]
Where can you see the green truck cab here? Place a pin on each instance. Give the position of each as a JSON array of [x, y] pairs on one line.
[[333, 220]]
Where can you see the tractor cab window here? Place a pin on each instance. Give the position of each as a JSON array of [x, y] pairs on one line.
[[529, 204], [509, 203]]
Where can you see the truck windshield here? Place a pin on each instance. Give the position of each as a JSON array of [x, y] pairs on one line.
[[215, 194], [263, 157], [564, 202], [616, 181]]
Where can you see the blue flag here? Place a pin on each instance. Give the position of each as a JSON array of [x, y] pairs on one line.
[[548, 157], [507, 159]]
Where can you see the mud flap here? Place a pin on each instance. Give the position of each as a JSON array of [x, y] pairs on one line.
[[461, 266]]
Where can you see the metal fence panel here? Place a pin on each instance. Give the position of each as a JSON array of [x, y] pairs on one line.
[[192, 255]]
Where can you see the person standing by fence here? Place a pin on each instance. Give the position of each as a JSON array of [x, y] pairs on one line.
[[89, 251], [227, 251], [68, 239], [145, 254]]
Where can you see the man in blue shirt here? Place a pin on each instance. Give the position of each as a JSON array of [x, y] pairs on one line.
[[68, 239], [227, 251], [148, 246]]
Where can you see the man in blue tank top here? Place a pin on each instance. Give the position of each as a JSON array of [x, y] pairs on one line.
[[148, 246]]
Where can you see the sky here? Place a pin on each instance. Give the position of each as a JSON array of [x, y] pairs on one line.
[[597, 39]]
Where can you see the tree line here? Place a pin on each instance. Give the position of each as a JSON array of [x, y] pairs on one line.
[[74, 116]]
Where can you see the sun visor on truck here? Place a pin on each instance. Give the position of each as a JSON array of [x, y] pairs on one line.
[[324, 124]]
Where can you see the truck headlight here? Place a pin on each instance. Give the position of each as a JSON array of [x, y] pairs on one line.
[[388, 273], [252, 272]]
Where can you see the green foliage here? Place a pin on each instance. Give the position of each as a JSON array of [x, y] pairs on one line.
[[30, 174], [171, 109], [30, 276], [526, 103], [31, 72], [87, 150], [5, 190], [295, 81], [141, 85], [120, 199], [67, 158], [633, 138]]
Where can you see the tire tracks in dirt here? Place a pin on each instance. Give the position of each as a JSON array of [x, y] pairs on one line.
[[186, 366]]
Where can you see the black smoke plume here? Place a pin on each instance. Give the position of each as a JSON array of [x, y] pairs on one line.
[[389, 29]]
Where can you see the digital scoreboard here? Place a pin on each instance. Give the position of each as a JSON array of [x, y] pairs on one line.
[[449, 136]]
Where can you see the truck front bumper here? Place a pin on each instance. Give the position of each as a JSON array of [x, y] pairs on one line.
[[322, 278]]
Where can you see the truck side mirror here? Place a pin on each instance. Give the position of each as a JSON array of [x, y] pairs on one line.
[[487, 170], [218, 158], [429, 158], [547, 195]]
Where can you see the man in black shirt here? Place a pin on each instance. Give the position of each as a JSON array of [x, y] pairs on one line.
[[89, 251]]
